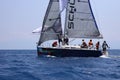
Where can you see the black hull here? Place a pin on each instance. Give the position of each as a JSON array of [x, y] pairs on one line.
[[63, 52]]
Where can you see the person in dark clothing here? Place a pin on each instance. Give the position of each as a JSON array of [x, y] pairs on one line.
[[97, 45], [66, 40], [84, 45], [105, 46], [60, 39]]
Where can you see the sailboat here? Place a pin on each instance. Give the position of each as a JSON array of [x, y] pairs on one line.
[[79, 23]]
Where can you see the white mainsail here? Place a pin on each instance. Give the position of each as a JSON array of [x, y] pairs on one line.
[[52, 22], [80, 21]]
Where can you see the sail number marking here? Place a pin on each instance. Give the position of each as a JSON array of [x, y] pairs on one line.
[[71, 12]]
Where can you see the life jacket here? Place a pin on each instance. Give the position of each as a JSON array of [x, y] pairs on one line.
[[97, 45], [90, 43]]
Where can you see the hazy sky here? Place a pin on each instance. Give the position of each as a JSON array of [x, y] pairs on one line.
[[19, 17]]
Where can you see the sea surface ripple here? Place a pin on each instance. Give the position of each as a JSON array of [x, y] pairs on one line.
[[26, 65]]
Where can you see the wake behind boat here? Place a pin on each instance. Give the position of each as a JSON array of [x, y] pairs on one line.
[[79, 23]]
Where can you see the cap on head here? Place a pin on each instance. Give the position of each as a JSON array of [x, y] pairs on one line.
[[104, 41]]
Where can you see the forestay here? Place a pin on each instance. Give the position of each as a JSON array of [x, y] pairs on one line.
[[80, 21], [52, 22]]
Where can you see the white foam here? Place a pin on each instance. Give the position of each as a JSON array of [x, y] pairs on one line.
[[104, 56], [50, 56]]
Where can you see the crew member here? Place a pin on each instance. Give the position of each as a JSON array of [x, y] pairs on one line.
[[66, 40], [97, 45], [84, 45], [90, 44], [105, 46], [60, 39], [54, 44]]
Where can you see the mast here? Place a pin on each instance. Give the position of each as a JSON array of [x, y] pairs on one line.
[[65, 33]]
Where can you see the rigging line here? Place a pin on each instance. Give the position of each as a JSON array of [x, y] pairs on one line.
[[54, 19]]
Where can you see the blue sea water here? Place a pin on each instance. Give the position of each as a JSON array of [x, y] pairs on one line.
[[26, 65]]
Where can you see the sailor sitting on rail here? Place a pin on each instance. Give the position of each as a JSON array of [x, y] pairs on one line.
[[90, 44], [97, 45], [54, 44], [84, 45]]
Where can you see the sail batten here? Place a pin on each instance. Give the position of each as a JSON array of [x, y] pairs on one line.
[[82, 1]]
